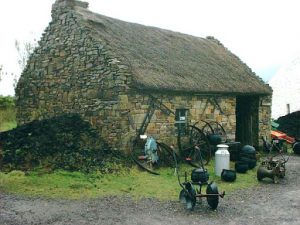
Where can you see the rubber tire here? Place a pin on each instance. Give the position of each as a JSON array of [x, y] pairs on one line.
[[251, 162], [241, 167], [212, 201]]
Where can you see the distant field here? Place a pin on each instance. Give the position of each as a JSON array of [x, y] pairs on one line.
[[7, 118], [7, 113]]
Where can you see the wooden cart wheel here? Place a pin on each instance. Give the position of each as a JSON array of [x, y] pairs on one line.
[[195, 148]]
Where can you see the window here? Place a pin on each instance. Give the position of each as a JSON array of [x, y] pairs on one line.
[[181, 120]]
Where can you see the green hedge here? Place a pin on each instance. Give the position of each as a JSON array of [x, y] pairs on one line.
[[7, 102]]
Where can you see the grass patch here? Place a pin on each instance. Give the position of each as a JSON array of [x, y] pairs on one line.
[[7, 118], [136, 183]]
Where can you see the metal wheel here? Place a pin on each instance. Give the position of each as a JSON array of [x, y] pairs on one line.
[[195, 148], [212, 200], [138, 156], [165, 154], [207, 129], [219, 130], [201, 153]]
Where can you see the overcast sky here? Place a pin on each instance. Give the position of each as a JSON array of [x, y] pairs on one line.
[[264, 34]]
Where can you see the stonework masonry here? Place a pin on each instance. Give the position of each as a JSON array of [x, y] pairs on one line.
[[264, 115], [71, 72]]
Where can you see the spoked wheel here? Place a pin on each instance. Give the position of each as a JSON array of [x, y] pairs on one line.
[[201, 153], [195, 148], [207, 129], [212, 200], [138, 156], [219, 130], [165, 154]]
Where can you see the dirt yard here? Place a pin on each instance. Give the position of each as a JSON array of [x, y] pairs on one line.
[[267, 204]]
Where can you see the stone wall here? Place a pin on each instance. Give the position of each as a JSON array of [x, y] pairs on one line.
[[162, 126], [264, 118], [71, 72]]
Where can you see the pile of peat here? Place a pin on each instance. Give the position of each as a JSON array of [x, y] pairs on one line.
[[65, 142], [290, 124]]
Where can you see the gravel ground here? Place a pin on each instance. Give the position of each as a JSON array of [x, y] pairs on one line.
[[266, 204]]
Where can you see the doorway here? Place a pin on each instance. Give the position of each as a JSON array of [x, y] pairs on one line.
[[247, 120]]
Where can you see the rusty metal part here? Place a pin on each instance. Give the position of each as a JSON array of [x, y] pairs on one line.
[[272, 168], [189, 194], [192, 190]]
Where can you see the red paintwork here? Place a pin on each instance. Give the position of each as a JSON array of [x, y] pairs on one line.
[[280, 135]]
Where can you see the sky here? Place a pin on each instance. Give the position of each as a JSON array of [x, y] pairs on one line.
[[264, 34]]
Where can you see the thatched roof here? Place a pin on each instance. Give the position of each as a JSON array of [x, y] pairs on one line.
[[164, 60]]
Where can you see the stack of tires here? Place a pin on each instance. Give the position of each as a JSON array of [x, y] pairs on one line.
[[247, 159], [296, 147]]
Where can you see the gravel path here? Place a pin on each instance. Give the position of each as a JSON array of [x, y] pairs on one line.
[[266, 204]]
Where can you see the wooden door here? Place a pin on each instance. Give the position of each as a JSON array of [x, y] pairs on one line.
[[247, 120]]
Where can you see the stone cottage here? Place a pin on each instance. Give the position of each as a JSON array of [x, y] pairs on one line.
[[120, 76]]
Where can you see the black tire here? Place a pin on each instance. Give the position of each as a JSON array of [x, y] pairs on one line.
[[251, 162], [296, 148], [241, 167], [248, 149], [250, 156], [212, 201]]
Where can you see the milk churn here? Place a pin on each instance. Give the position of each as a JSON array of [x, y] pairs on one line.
[[222, 159]]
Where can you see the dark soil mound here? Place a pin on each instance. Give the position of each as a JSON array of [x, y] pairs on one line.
[[290, 124], [65, 142]]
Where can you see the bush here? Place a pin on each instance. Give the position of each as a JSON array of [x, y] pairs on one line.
[[7, 113], [290, 124], [7, 102]]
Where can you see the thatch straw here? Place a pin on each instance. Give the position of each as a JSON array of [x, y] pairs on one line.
[[170, 61]]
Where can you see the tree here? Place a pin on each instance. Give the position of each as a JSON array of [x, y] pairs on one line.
[[24, 51]]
